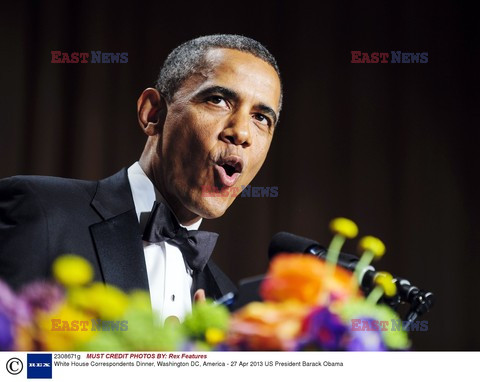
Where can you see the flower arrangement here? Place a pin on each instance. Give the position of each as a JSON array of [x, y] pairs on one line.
[[308, 304]]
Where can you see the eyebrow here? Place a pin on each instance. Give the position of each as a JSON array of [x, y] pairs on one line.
[[233, 95], [224, 92], [268, 110]]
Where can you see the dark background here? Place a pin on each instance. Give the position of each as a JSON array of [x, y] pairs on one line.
[[392, 146]]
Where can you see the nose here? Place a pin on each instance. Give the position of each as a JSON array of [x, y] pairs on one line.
[[237, 131]]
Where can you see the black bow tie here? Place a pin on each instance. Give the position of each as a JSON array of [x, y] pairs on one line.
[[196, 246]]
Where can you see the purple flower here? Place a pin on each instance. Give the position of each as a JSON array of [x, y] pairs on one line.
[[323, 330], [7, 297], [188, 346], [42, 295], [13, 307], [6, 331], [366, 340]]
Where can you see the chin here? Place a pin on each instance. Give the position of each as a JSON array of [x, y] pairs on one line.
[[212, 210]]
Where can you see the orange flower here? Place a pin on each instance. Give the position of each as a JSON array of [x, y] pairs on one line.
[[302, 278], [267, 326]]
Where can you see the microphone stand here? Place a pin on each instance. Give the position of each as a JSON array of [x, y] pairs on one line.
[[421, 301]]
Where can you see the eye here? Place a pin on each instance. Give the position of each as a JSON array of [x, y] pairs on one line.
[[217, 100], [262, 119]]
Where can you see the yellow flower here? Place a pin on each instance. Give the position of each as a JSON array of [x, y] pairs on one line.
[[344, 227], [139, 300], [372, 244], [64, 329], [79, 297], [107, 301], [385, 280], [72, 270], [214, 336], [24, 337]]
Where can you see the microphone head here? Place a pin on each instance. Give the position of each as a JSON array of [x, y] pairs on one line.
[[288, 242]]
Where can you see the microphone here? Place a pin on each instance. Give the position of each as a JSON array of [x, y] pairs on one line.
[[288, 242], [421, 301]]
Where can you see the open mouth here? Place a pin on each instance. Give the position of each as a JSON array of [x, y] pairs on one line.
[[229, 169]]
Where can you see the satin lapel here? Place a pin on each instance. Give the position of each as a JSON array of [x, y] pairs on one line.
[[118, 238]]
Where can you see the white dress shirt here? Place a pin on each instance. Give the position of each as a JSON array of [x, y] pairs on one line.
[[168, 278]]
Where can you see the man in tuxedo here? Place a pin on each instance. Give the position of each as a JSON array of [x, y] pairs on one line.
[[209, 123]]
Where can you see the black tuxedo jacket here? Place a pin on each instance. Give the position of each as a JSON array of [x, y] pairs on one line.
[[42, 218]]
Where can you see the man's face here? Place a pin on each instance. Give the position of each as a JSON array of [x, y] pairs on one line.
[[217, 132]]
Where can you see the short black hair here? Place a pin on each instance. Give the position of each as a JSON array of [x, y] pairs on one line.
[[189, 58]]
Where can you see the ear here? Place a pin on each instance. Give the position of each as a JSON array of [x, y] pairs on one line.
[[151, 111]]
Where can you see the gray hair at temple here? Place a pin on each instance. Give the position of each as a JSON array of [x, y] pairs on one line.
[[189, 58]]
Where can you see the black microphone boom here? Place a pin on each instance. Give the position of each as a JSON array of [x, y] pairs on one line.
[[290, 243], [420, 301]]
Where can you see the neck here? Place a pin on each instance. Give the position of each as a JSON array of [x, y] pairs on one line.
[[184, 216], [187, 218]]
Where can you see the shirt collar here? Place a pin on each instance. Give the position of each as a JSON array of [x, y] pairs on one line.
[[145, 193]]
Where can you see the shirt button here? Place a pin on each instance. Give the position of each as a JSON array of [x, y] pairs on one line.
[[173, 297], [172, 320]]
